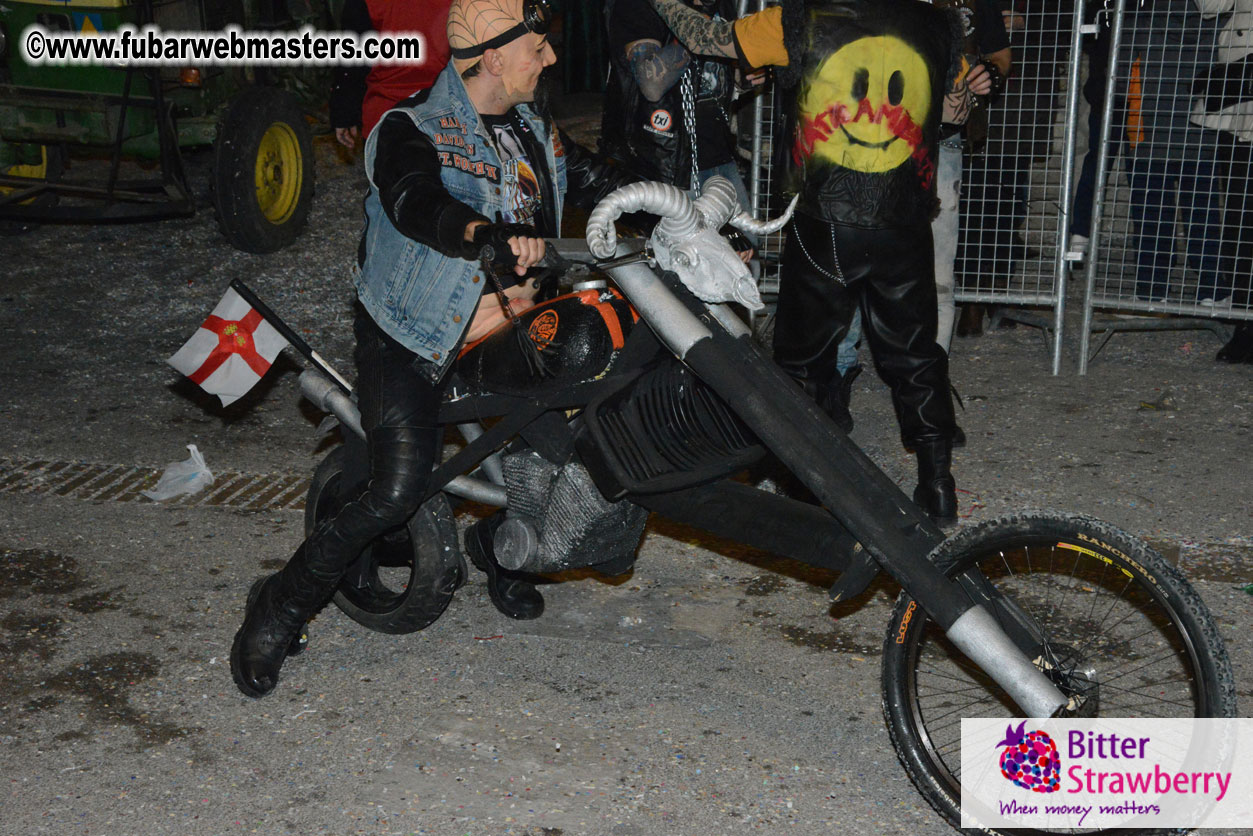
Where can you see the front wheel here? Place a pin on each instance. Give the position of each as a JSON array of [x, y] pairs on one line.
[[404, 580], [1117, 629]]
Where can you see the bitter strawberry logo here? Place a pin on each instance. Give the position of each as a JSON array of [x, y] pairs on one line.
[[1030, 759]]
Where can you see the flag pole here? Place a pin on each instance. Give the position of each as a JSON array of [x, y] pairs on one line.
[[297, 342]]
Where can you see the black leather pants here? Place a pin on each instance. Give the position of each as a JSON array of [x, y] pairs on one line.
[[399, 411], [890, 273]]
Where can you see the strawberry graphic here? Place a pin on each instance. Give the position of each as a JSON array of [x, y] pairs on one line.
[[1030, 759]]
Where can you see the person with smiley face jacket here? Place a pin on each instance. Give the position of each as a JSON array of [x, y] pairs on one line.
[[466, 163], [866, 84]]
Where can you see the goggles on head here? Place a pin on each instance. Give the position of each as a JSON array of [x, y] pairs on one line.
[[536, 18]]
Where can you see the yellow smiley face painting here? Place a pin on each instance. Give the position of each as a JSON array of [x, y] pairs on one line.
[[864, 107]]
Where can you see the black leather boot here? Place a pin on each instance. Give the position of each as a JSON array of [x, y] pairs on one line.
[[275, 618], [937, 491], [511, 592], [834, 398], [1239, 349]]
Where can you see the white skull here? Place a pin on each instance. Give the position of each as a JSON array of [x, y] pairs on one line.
[[708, 266]]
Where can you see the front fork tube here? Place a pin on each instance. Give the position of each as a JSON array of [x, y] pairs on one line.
[[891, 527]]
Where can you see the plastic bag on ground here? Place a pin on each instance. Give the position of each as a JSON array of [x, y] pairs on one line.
[[182, 478]]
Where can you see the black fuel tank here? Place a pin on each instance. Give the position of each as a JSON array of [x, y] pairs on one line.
[[576, 336]]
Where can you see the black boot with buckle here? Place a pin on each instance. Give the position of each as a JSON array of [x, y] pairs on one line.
[[937, 491], [278, 607], [513, 593]]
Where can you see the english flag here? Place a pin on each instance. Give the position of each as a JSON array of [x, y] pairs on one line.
[[230, 352]]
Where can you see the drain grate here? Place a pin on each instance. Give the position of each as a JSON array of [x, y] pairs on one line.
[[121, 483]]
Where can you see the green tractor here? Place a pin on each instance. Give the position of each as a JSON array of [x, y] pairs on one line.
[[128, 126]]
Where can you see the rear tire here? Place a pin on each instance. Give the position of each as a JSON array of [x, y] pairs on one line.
[[1107, 606], [406, 577], [263, 172]]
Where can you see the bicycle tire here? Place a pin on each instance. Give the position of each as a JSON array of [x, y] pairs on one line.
[[913, 639]]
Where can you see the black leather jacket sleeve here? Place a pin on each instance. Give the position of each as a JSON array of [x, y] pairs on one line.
[[406, 174], [589, 176]]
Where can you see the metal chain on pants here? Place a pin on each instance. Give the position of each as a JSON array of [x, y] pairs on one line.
[[689, 117], [838, 275]]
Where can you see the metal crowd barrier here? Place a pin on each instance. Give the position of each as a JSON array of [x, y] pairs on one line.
[[1016, 181], [1172, 218]]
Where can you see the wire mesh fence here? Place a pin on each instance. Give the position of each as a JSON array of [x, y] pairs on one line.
[[1172, 225], [1012, 188]]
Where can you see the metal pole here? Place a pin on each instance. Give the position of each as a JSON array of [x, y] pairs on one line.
[[289, 334], [1102, 174], [491, 466], [1060, 263], [754, 186]]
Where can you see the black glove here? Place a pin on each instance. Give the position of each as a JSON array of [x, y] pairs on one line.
[[491, 243], [998, 83]]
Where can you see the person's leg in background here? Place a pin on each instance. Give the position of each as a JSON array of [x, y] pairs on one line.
[[1236, 159], [898, 315], [1198, 198], [944, 231], [1151, 182]]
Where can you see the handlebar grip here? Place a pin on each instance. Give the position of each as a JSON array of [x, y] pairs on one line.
[[487, 255]]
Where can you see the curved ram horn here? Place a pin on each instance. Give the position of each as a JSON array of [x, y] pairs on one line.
[[718, 201], [670, 202], [745, 221]]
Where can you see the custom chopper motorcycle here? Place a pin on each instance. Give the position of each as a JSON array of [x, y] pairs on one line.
[[648, 396]]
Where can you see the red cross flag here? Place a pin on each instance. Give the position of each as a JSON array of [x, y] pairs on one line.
[[230, 352]]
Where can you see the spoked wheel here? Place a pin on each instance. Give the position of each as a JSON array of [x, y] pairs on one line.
[[1118, 630], [404, 580]]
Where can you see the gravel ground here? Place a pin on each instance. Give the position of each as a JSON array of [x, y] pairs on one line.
[[713, 691]]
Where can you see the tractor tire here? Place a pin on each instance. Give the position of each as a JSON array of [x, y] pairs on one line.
[[263, 172]]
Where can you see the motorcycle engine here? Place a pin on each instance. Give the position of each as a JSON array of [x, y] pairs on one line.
[[559, 520]]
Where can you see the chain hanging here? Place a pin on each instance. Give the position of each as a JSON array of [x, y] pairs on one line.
[[838, 275], [689, 117]]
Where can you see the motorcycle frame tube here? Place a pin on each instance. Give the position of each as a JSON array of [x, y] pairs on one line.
[[977, 634], [491, 466], [668, 316], [328, 397], [891, 528]]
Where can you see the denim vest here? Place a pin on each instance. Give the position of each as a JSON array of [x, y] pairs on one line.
[[419, 296]]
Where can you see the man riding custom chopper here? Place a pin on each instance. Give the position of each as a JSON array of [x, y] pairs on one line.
[[463, 165], [658, 405]]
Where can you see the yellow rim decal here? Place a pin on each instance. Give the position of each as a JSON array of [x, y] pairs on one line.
[[1090, 553]]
